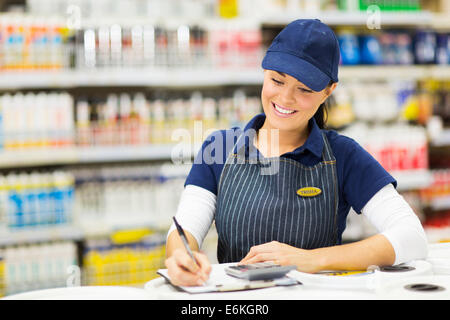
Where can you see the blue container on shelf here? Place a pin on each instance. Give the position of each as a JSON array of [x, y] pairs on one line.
[[388, 48], [443, 49], [425, 47], [370, 50], [404, 49], [349, 47]]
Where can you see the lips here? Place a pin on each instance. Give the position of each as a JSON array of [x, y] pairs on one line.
[[282, 111]]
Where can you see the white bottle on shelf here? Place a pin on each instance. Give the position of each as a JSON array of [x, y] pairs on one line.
[[8, 114], [3, 204], [30, 119], [66, 104], [19, 125], [11, 270], [14, 204], [42, 119]]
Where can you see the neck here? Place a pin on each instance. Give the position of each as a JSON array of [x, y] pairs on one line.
[[271, 144]]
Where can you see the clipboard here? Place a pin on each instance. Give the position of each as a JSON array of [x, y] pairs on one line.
[[219, 281]]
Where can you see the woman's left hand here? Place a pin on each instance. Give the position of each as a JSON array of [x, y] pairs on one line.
[[283, 254]]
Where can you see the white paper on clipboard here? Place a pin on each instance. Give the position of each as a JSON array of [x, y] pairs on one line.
[[220, 281]]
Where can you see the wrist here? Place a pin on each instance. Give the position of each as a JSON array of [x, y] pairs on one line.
[[322, 259]]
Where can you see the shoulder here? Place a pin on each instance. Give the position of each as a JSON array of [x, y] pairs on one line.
[[220, 141], [342, 146], [210, 159]]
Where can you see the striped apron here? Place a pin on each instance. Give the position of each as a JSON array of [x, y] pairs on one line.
[[255, 208]]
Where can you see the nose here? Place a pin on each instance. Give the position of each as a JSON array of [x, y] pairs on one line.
[[287, 97]]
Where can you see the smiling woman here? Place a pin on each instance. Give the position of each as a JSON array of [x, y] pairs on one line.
[[289, 105], [296, 214]]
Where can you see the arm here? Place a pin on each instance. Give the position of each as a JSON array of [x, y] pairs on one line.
[[375, 250], [174, 242], [401, 239], [195, 213]]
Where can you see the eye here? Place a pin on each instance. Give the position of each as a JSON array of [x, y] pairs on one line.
[[277, 81], [305, 90]]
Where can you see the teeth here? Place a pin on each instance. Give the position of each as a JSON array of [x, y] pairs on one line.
[[280, 110]]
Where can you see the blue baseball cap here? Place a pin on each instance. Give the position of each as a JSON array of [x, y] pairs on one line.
[[307, 50]]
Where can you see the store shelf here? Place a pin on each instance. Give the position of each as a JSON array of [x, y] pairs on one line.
[[126, 153], [38, 157], [435, 234], [41, 234], [440, 72], [440, 21], [196, 77], [385, 71], [80, 155], [359, 18], [440, 203], [442, 140], [412, 179]]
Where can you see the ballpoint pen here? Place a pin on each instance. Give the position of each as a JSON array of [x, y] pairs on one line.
[[185, 241]]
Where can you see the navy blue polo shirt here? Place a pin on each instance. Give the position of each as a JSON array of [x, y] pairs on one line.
[[359, 175]]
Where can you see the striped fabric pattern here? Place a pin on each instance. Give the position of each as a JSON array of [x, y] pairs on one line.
[[255, 208]]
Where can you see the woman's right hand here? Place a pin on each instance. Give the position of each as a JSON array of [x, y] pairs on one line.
[[183, 271]]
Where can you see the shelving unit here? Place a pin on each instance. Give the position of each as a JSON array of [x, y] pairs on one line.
[[196, 77], [86, 155], [392, 19], [42, 234]]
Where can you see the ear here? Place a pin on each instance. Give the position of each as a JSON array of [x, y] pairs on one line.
[[328, 91]]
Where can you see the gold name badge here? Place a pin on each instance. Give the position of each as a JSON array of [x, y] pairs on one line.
[[309, 192]]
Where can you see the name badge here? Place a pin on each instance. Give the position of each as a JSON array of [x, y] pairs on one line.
[[309, 192]]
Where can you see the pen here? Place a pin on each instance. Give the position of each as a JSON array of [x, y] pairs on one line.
[[184, 240]]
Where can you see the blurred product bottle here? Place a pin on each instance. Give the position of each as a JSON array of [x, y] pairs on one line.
[[2, 273], [341, 112], [398, 148], [36, 199], [1, 125], [349, 5], [425, 47], [37, 266], [370, 50], [131, 263], [83, 123], [228, 8], [388, 47], [349, 47], [199, 47], [3, 204], [405, 55], [37, 120], [443, 49]]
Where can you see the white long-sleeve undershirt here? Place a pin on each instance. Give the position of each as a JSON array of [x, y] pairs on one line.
[[387, 210]]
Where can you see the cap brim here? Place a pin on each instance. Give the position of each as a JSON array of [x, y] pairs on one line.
[[296, 67]]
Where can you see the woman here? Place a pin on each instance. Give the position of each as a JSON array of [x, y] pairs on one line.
[[285, 197]]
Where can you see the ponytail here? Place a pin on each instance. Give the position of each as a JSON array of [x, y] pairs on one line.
[[321, 115]]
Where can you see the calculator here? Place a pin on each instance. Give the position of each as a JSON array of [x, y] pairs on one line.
[[258, 271]]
